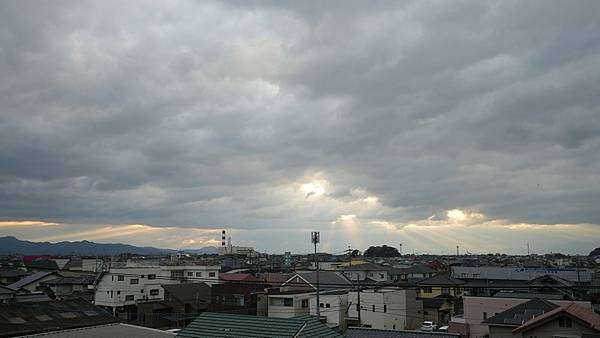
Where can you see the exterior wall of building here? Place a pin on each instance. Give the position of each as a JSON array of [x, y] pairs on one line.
[[389, 309], [378, 275], [434, 291], [289, 305], [235, 298], [334, 308], [116, 289], [502, 332]]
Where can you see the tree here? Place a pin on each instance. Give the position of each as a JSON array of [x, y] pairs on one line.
[[355, 253], [595, 252], [381, 251]]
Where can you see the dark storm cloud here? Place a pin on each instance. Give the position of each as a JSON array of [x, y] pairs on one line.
[[203, 114]]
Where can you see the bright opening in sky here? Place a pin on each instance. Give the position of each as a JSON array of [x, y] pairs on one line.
[[313, 189]]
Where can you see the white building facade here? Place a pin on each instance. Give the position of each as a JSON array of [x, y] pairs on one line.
[[120, 288], [386, 308]]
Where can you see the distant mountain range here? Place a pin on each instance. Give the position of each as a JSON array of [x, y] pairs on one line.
[[12, 245]]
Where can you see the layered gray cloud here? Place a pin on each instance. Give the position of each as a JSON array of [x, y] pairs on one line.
[[214, 114]]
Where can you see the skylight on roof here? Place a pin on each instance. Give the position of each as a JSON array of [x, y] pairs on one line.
[[68, 315], [43, 318], [17, 320]]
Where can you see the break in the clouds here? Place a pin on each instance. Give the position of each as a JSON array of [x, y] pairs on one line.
[[367, 121]]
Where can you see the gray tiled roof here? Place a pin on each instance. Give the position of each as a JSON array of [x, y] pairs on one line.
[[328, 280], [36, 317], [212, 324], [441, 279], [375, 333], [517, 315], [418, 269]]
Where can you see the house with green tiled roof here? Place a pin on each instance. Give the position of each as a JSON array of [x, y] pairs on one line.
[[212, 324]]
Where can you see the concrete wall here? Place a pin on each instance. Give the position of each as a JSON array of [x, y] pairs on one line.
[[390, 309], [277, 310], [334, 308]]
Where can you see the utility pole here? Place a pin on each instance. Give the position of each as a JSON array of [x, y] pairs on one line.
[[315, 238], [457, 254], [358, 299]]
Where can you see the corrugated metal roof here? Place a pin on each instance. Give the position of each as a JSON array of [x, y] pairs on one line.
[[211, 324]]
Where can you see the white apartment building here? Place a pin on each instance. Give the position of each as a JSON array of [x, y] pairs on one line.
[[289, 304], [333, 306], [386, 308], [120, 289]]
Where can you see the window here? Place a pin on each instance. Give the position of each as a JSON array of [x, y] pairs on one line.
[[393, 327], [445, 291], [152, 276], [476, 275], [357, 308], [427, 289], [305, 303], [118, 292], [120, 278], [190, 274], [154, 292], [177, 274], [288, 302], [198, 274], [321, 305], [425, 312], [371, 274], [134, 281], [373, 308], [384, 308], [484, 315], [328, 305], [129, 297], [211, 274], [565, 322], [463, 275], [382, 276], [141, 290]]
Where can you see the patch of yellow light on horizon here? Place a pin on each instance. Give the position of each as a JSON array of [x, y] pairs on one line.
[[10, 224]]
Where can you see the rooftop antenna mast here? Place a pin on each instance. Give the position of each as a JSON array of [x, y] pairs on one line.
[[315, 239]]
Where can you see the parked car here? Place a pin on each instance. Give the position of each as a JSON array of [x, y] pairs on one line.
[[428, 326], [443, 329]]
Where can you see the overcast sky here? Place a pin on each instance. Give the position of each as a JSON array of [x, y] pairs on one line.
[[427, 123]]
